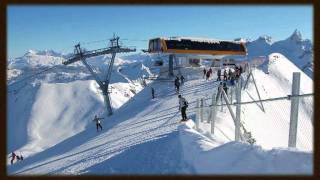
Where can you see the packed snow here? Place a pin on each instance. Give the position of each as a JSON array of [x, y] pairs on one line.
[[144, 135]]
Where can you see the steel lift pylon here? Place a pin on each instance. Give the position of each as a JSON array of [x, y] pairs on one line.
[[80, 55]]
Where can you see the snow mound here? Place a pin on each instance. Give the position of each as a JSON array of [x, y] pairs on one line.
[[209, 157]]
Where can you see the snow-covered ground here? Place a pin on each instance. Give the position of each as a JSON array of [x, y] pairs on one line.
[[50, 120], [143, 137], [269, 122], [63, 100]]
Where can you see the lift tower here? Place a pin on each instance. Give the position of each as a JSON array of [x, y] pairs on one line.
[[80, 55]]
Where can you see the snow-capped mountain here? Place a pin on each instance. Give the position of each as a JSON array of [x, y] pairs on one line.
[[295, 48]]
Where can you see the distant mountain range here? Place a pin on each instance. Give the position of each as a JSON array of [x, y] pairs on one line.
[[295, 48]]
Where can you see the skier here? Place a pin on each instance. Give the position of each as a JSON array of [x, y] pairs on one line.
[[152, 92], [241, 69], [182, 79], [232, 78], [177, 84], [14, 156], [144, 83], [210, 71], [225, 75], [208, 75], [219, 75], [229, 73], [183, 105], [237, 73], [204, 72], [98, 123]]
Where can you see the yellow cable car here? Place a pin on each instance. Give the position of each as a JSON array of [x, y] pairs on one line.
[[185, 45]]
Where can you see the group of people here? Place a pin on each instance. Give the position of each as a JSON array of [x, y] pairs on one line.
[[207, 73], [177, 82], [14, 156], [230, 75]]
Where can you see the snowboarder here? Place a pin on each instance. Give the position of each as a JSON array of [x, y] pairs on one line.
[[204, 72], [98, 123], [177, 84], [182, 79], [183, 105], [152, 92], [219, 75]]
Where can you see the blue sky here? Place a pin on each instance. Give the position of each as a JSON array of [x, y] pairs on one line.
[[60, 27]]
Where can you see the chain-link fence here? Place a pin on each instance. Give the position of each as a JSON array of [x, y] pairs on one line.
[[267, 122]]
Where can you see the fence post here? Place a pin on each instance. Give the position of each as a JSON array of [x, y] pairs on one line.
[[213, 112], [201, 109], [198, 114], [238, 110], [294, 109]]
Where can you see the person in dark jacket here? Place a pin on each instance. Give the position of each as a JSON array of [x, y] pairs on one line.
[[152, 92], [225, 75], [98, 123], [13, 157], [208, 75], [210, 71], [219, 75], [177, 84], [183, 105], [182, 79], [229, 73], [204, 72]]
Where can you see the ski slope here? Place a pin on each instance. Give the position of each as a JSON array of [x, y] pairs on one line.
[[143, 137], [62, 100]]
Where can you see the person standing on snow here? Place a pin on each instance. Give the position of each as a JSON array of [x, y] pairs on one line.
[[98, 123], [210, 71], [182, 79], [204, 72], [177, 84], [13, 157], [208, 75], [229, 72], [225, 75], [183, 105], [219, 75], [152, 92]]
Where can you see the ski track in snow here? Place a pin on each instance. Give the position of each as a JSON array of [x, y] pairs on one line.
[[89, 151], [142, 138]]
